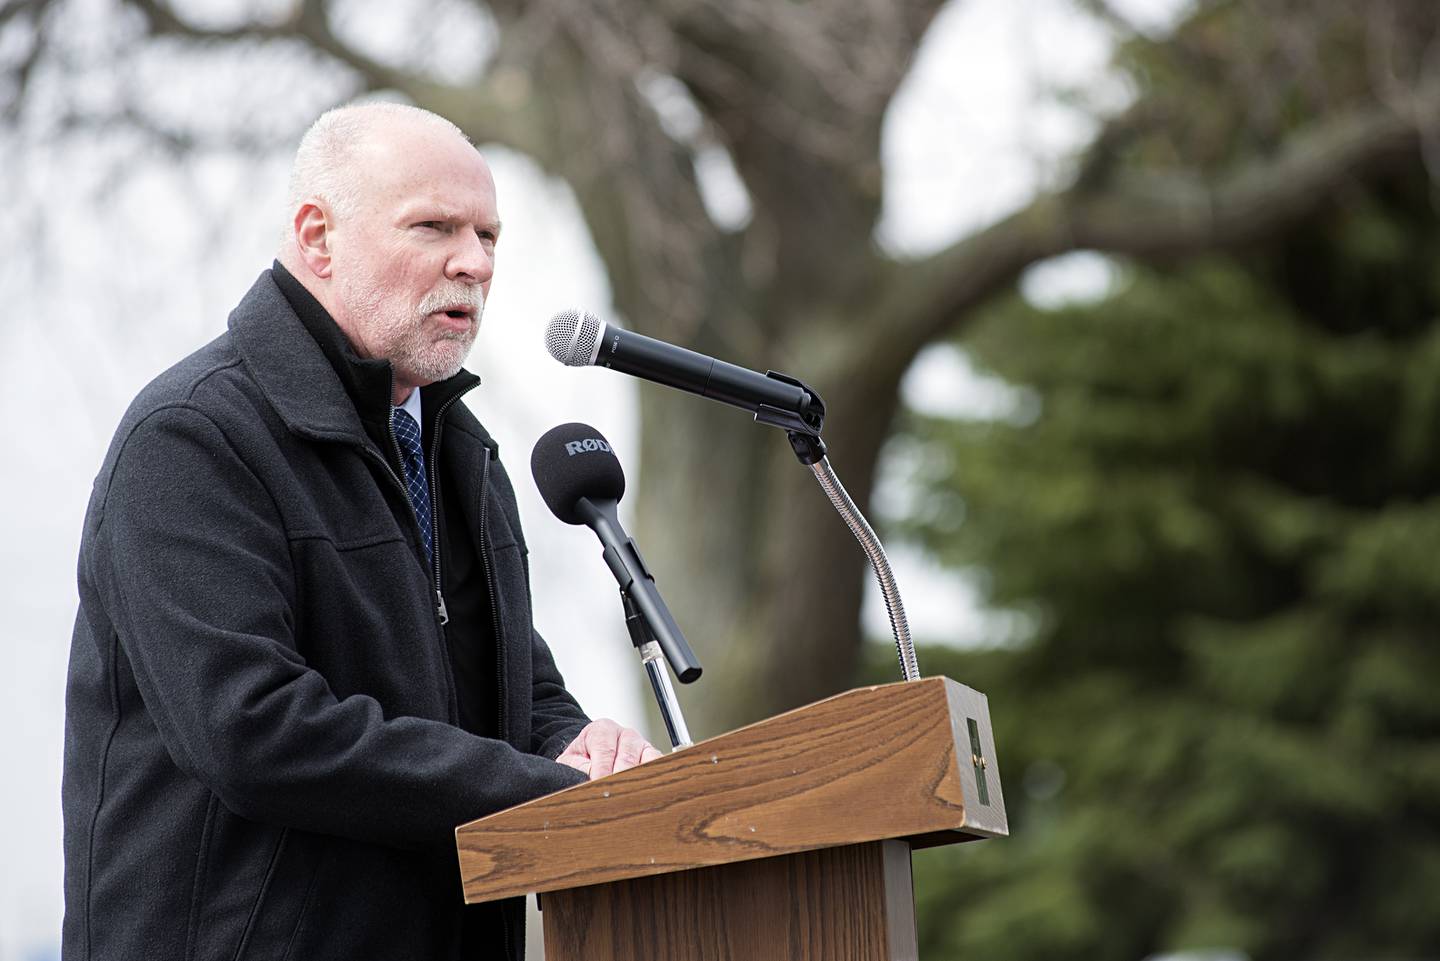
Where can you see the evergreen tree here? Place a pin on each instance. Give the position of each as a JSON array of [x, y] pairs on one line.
[[1223, 519]]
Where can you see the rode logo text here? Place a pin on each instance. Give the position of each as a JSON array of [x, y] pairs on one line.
[[582, 446]]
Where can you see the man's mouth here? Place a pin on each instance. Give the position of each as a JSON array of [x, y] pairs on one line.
[[463, 315], [458, 316]]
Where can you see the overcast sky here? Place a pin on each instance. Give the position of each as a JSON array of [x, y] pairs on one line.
[[138, 269]]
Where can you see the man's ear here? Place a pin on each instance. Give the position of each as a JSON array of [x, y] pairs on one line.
[[312, 239]]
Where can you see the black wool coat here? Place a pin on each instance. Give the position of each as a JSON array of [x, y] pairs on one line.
[[263, 753]]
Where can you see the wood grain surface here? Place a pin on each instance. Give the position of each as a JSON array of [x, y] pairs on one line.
[[870, 764], [851, 903]]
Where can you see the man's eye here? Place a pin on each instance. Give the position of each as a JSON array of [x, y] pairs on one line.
[[431, 224]]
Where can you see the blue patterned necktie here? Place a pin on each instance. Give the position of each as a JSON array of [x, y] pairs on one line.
[[407, 434]]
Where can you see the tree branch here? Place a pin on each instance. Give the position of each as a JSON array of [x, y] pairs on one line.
[[564, 93], [1148, 218], [798, 93], [164, 20], [1119, 23], [34, 11], [487, 112]]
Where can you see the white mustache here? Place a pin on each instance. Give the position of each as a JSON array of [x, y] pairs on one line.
[[461, 295]]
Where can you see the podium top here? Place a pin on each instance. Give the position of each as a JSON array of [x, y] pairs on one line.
[[912, 760]]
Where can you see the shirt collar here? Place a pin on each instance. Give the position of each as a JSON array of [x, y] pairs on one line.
[[412, 406]]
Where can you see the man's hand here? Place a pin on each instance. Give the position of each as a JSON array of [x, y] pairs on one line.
[[604, 747]]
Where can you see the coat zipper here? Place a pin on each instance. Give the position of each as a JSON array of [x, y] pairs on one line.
[[439, 610], [375, 455], [435, 503]]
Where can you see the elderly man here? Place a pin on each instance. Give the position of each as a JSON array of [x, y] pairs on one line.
[[304, 649]]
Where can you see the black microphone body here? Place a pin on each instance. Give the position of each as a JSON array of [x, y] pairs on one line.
[[579, 339], [688, 370], [635, 580], [581, 481]]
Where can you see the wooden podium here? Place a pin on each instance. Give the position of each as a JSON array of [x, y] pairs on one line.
[[787, 839]]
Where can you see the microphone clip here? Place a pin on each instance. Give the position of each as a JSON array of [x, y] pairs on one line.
[[803, 427]]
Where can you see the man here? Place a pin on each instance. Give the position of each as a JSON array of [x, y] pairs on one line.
[[304, 651]]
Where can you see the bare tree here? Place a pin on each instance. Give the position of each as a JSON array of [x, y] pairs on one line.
[[795, 95]]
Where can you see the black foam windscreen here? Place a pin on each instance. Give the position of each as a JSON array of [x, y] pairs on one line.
[[574, 461]]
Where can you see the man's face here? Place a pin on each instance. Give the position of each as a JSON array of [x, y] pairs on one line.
[[412, 265]]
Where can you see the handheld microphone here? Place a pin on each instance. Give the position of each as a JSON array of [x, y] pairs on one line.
[[581, 481], [580, 339]]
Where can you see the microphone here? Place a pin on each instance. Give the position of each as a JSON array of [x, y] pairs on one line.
[[580, 339], [581, 481]]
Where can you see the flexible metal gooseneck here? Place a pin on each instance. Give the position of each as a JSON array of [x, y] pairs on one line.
[[876, 553]]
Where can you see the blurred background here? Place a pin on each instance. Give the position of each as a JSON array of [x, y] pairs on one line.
[[1125, 312]]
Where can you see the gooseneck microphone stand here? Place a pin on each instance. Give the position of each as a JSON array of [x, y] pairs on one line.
[[579, 339], [803, 431]]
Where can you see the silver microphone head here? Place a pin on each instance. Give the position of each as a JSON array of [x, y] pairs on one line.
[[573, 337]]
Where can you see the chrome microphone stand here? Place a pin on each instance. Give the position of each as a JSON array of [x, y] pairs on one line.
[[654, 660]]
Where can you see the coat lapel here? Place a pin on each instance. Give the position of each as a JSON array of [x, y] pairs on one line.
[[290, 367]]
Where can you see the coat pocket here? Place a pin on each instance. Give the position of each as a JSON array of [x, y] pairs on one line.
[[250, 889], [279, 905]]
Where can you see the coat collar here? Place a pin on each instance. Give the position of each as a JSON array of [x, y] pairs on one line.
[[299, 379]]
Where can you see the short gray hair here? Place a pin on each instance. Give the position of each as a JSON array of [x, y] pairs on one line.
[[324, 168]]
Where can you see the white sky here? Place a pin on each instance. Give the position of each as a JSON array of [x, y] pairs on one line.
[[128, 291]]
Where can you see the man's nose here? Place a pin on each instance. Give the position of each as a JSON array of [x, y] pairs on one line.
[[473, 261]]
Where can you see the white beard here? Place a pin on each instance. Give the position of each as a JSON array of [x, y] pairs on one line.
[[402, 336]]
